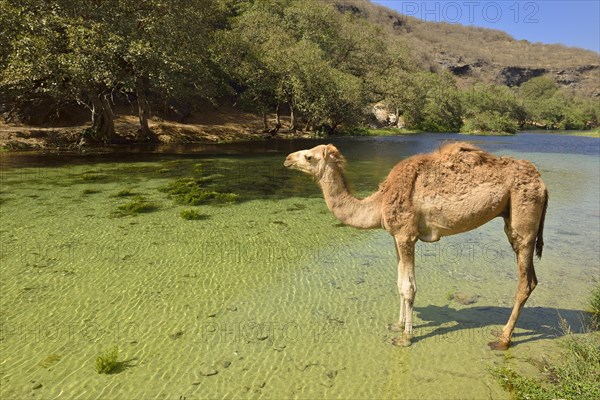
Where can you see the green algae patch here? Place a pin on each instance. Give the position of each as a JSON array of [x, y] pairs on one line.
[[107, 361], [49, 361], [124, 193], [192, 215], [192, 192], [138, 205], [94, 177], [86, 192]]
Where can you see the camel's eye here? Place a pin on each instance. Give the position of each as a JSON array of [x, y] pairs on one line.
[[308, 158]]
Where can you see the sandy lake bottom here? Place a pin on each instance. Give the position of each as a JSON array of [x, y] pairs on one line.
[[269, 297]]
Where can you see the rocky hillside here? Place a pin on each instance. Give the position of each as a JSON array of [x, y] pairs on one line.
[[476, 54]]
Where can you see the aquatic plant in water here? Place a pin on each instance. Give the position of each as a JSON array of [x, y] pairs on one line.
[[124, 193], [49, 361], [138, 205], [576, 376], [191, 214], [89, 191], [189, 191], [595, 308], [107, 361], [94, 176]]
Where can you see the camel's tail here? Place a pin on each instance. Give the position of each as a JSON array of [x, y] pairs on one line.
[[539, 243]]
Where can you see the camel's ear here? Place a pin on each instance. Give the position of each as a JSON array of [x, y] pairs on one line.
[[332, 152]]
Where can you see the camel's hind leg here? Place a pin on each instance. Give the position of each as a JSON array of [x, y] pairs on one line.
[[521, 229]]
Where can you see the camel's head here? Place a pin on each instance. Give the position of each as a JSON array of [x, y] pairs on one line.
[[314, 161]]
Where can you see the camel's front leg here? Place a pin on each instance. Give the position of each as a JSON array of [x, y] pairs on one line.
[[399, 326], [407, 286]]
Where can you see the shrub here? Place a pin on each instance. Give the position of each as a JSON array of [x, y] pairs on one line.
[[490, 122]]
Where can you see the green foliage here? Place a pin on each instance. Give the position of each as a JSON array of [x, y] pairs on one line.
[[191, 214], [391, 132], [86, 192], [356, 131], [595, 307], [576, 378], [490, 122], [306, 55], [190, 191], [124, 193], [537, 88], [324, 66], [433, 103], [77, 51], [94, 177], [548, 106], [492, 109], [136, 206], [107, 361]]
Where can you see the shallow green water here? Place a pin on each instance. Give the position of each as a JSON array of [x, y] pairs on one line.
[[270, 293]]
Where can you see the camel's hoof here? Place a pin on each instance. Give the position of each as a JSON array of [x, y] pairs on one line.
[[499, 345], [401, 342], [395, 327]]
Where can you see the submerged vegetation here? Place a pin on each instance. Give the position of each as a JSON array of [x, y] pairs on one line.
[[310, 60], [86, 192], [190, 214], [124, 193], [595, 308], [137, 205], [190, 191], [576, 377], [107, 361]]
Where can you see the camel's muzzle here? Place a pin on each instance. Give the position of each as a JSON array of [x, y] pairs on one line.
[[289, 161]]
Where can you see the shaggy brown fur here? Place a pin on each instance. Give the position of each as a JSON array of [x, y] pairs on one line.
[[455, 189]]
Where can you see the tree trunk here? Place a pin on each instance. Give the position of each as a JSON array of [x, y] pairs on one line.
[[277, 116], [307, 126], [145, 133], [397, 117], [103, 118], [293, 127], [265, 122]]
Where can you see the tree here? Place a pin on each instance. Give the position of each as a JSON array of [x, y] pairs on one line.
[[492, 108], [306, 55], [432, 103], [254, 53], [91, 51], [394, 83]]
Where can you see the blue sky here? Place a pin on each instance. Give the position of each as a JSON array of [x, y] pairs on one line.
[[572, 23]]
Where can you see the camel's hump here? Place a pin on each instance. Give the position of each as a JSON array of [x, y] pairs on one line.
[[463, 152], [456, 147]]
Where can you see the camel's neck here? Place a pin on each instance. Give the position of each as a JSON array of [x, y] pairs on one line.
[[359, 213]]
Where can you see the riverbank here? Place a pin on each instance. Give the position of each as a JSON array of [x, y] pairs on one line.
[[212, 127], [222, 125], [402, 131]]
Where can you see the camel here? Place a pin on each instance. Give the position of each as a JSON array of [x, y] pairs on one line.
[[452, 190]]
